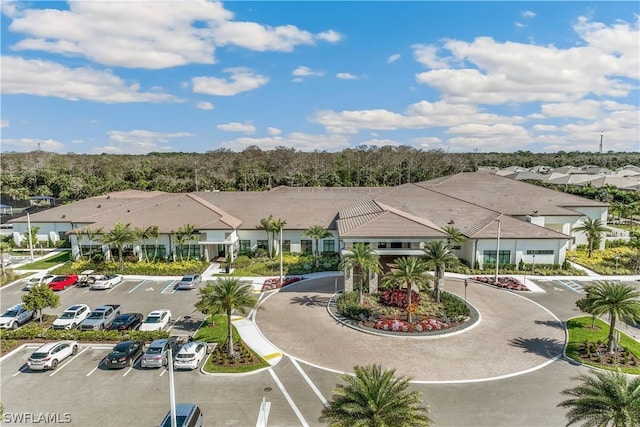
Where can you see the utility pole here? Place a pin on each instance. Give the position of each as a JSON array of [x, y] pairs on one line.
[[30, 239]]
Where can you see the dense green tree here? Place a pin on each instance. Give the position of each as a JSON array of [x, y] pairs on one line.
[[374, 397], [593, 229], [317, 232], [40, 297], [604, 399], [363, 258], [223, 297], [455, 235], [4, 247], [409, 271], [119, 236], [438, 255]]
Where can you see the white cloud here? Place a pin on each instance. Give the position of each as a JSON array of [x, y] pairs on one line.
[[246, 127], [204, 105], [241, 80], [139, 141], [4, 123], [45, 78], [500, 137], [545, 128], [303, 71], [528, 14], [346, 76], [298, 140], [32, 144], [393, 58], [586, 109], [381, 142], [150, 35], [428, 55], [273, 131], [427, 142]]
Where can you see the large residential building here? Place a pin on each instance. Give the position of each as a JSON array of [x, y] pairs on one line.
[[535, 224]]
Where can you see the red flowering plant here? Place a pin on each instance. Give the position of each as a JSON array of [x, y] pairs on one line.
[[510, 283], [274, 283], [396, 297]]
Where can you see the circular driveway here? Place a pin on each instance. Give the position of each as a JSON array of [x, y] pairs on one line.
[[515, 335]]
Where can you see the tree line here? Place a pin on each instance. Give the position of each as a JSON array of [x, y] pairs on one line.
[[77, 176]]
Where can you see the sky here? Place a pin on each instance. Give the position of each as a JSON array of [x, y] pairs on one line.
[[136, 76]]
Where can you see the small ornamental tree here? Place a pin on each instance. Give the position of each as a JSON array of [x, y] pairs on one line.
[[39, 298]]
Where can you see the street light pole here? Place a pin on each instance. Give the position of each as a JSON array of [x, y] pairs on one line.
[[30, 238], [281, 278], [172, 389], [497, 251]]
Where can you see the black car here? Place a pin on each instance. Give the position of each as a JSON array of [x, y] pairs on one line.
[[126, 321], [124, 354]]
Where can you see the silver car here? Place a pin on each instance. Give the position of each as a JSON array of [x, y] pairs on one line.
[[190, 281], [15, 316], [157, 354]]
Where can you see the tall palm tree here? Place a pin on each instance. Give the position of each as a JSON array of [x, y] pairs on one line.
[[455, 235], [154, 231], [79, 232], [364, 259], [618, 300], [142, 235], [91, 235], [224, 296], [182, 235], [593, 229], [375, 398], [266, 224], [317, 232], [276, 226], [4, 247], [410, 271], [120, 235], [609, 398], [438, 255]]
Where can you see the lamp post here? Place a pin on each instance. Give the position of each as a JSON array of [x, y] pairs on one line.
[[30, 238], [497, 251], [533, 268], [281, 278], [172, 389], [617, 259]]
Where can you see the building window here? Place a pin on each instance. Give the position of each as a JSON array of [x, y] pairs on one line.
[[286, 246], [490, 257], [306, 246], [382, 245], [328, 246], [263, 244], [456, 247], [245, 246], [158, 251], [396, 245], [189, 251], [540, 252]]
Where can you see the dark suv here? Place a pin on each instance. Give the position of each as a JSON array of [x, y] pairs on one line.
[[126, 321]]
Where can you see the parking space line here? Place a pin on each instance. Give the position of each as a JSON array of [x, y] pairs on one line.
[[574, 286], [113, 287], [137, 286], [69, 361], [174, 323], [288, 398], [21, 370], [308, 380], [163, 371], [173, 291], [97, 366]]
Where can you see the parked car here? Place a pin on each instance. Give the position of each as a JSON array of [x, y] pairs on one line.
[[156, 320], [85, 278], [190, 281], [49, 355], [124, 354], [187, 415], [106, 281], [38, 279], [101, 317], [60, 283], [15, 316], [157, 354], [190, 355], [71, 317], [126, 321]]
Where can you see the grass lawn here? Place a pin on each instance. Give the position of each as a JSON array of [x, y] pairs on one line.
[[47, 263], [218, 334], [580, 331]]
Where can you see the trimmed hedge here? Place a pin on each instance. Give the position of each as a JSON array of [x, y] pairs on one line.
[[34, 331], [348, 306]]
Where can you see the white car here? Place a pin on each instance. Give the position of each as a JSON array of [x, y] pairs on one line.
[[49, 355], [107, 281], [190, 355], [71, 317], [38, 280], [15, 316], [156, 320]]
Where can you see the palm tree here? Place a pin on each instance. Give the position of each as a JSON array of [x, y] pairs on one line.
[[4, 247], [605, 399], [120, 235], [585, 304], [363, 258], [375, 398], [266, 224], [410, 271], [276, 226], [438, 254], [142, 235], [618, 300], [154, 231], [317, 232], [224, 296], [183, 235], [91, 235], [79, 233], [455, 235], [593, 229]]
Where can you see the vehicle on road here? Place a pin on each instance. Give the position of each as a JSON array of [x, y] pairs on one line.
[[187, 415], [85, 278], [60, 283], [101, 317], [51, 354], [157, 354], [190, 281], [72, 317], [38, 280], [107, 281], [190, 355], [124, 354], [126, 321], [15, 316], [156, 320]]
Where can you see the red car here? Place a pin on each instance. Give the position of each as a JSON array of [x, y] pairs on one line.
[[60, 283]]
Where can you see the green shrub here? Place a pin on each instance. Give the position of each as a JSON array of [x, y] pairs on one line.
[[454, 307], [242, 261], [348, 306], [34, 330]]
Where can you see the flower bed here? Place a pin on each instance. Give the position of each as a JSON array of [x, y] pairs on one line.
[[397, 325], [510, 283], [275, 283]]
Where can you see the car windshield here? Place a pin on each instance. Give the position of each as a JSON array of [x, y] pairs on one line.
[[39, 355], [96, 315], [152, 319], [67, 315], [121, 348], [58, 279], [10, 313], [154, 350], [187, 279]]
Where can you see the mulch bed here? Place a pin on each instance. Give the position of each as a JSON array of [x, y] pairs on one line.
[[597, 354], [244, 356]]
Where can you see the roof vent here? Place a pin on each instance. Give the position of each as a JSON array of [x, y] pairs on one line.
[[128, 210], [63, 216], [99, 206]]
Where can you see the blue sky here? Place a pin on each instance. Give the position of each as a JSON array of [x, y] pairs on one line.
[[134, 77]]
